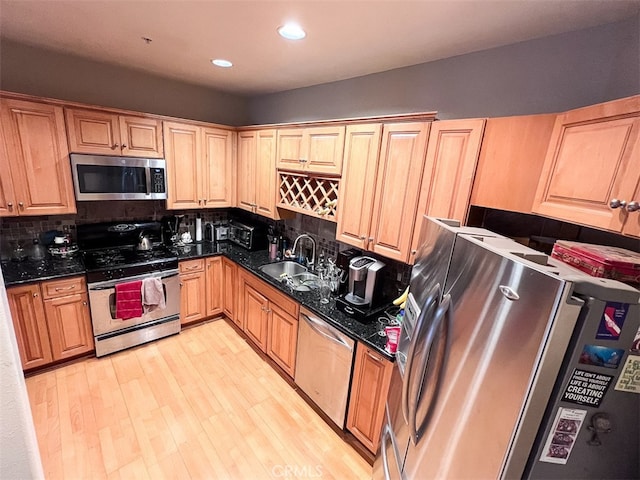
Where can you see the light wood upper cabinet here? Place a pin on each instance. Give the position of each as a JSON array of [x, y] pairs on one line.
[[361, 148], [593, 159], [183, 145], [36, 154], [369, 388], [399, 173], [213, 268], [106, 133], [312, 149], [257, 173], [452, 156], [511, 159], [218, 174], [30, 325]]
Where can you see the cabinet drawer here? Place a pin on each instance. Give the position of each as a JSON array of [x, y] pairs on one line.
[[192, 266], [60, 288]]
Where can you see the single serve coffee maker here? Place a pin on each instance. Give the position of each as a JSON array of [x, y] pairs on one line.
[[365, 288]]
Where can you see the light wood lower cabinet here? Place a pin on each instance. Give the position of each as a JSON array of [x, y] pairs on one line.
[[214, 283], [193, 282], [269, 319], [229, 290], [51, 321], [369, 388]]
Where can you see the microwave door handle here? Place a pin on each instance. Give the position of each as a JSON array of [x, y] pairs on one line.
[[426, 367], [147, 175], [423, 321]]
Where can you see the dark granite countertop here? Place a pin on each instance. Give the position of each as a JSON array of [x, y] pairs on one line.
[[366, 333], [17, 273]]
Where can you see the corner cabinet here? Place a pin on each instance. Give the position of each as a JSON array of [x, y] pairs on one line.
[[51, 321], [591, 174], [256, 189], [450, 166], [229, 289], [200, 166], [369, 388], [106, 133], [36, 173], [312, 149], [269, 319]]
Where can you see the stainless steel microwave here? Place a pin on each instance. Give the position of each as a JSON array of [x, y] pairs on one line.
[[101, 177]]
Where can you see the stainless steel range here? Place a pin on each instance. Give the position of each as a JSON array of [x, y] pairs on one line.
[[123, 258]]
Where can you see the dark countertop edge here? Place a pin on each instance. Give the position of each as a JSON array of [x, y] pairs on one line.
[[250, 261]]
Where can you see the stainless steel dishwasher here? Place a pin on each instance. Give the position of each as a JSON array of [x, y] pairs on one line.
[[323, 365]]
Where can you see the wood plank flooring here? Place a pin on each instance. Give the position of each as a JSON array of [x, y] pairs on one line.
[[201, 404]]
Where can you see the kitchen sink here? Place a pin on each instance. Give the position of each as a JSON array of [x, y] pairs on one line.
[[295, 275]]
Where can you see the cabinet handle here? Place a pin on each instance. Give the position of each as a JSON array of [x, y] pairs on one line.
[[124, 145], [378, 359], [114, 146], [21, 205], [267, 311], [413, 252], [84, 303], [633, 207], [60, 289], [10, 205], [35, 294], [615, 203], [180, 284]]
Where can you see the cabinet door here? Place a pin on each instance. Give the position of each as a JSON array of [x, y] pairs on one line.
[[141, 137], [192, 297], [229, 288], [183, 151], [589, 163], [29, 323], [355, 198], [322, 149], [37, 150], [8, 205], [255, 315], [69, 323], [265, 174], [290, 149], [91, 131], [282, 339], [246, 188], [213, 268], [397, 183], [218, 171], [369, 388], [452, 156]]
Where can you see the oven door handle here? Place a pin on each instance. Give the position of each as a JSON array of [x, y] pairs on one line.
[[112, 285]]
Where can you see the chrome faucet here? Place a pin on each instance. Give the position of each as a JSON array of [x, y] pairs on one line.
[[310, 263]]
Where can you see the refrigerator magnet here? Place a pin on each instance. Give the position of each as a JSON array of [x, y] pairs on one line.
[[562, 436], [612, 321], [600, 356], [635, 346], [586, 388], [629, 379]]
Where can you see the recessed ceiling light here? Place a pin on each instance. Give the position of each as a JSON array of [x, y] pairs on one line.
[[292, 31], [219, 62]]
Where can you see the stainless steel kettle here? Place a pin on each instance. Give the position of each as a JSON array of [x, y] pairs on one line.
[[144, 242]]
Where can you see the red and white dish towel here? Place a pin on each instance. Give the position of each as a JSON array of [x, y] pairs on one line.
[[152, 295], [129, 300]]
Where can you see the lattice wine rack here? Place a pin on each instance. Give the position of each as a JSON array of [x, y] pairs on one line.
[[310, 195]]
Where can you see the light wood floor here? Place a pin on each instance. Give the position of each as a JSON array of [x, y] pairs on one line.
[[201, 404]]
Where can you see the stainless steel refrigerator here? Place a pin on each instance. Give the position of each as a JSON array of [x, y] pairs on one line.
[[511, 365]]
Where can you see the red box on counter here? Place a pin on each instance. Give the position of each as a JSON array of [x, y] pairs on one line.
[[600, 260]]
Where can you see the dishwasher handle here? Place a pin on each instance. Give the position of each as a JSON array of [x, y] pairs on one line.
[[320, 328]]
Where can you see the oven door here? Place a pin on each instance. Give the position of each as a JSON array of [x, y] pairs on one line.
[[102, 298], [118, 178]]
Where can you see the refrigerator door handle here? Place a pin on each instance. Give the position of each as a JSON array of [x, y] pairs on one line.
[[430, 304], [427, 367]]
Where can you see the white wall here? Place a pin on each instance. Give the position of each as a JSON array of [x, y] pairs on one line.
[[550, 74], [19, 454]]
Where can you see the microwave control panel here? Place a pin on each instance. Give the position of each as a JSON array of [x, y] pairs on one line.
[[157, 180]]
